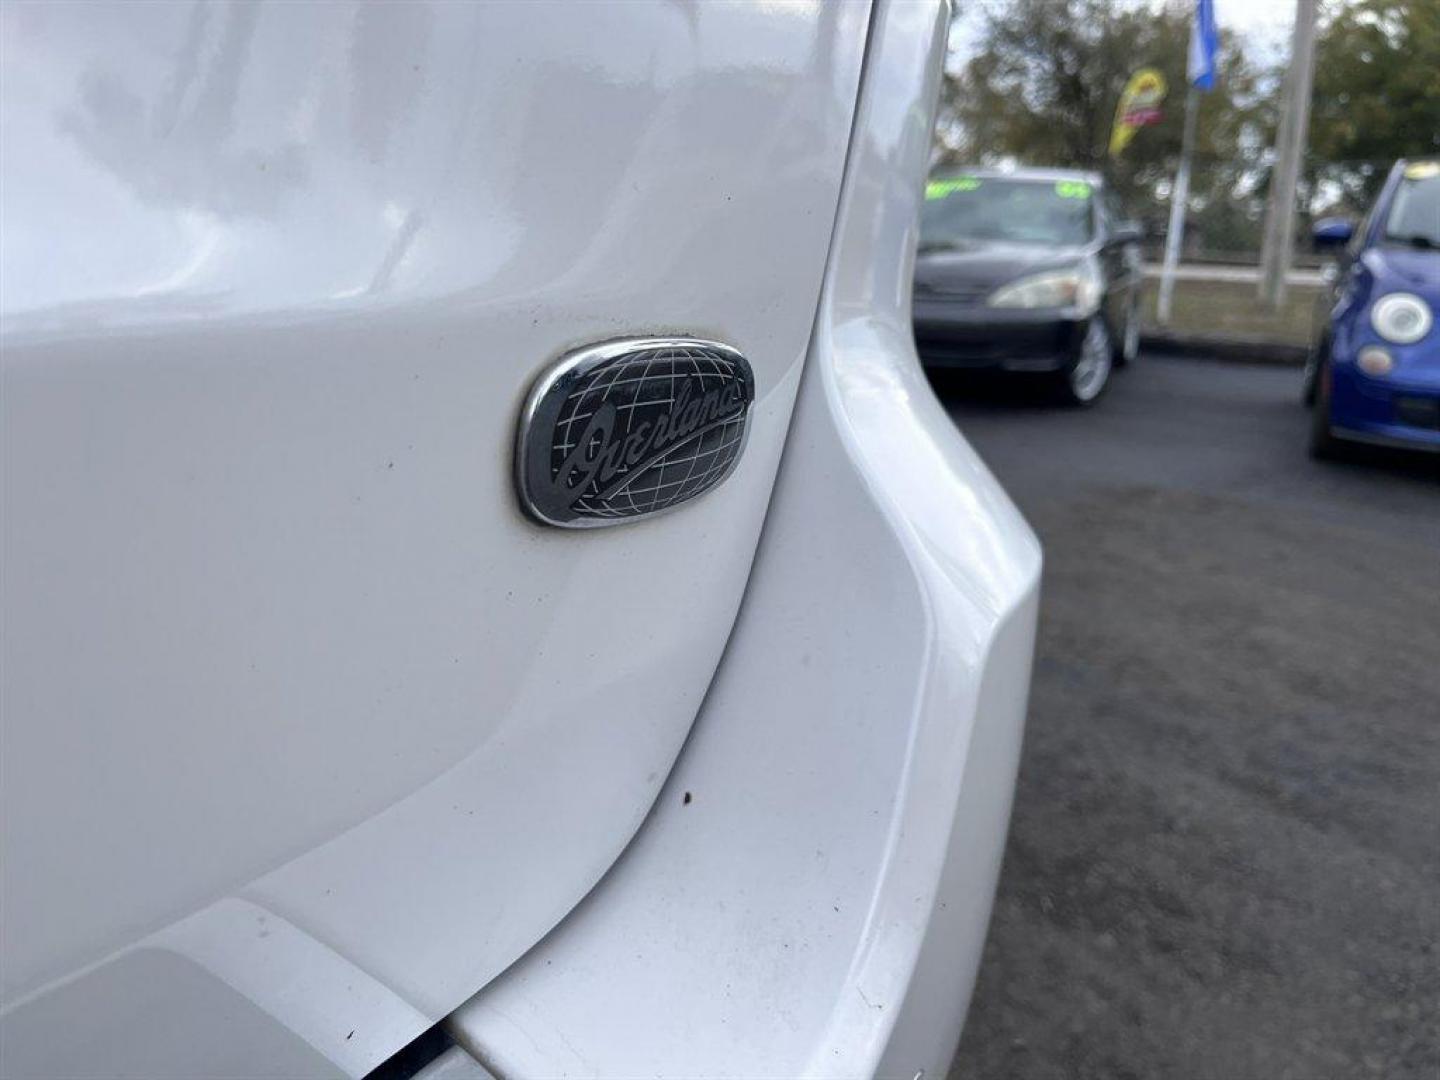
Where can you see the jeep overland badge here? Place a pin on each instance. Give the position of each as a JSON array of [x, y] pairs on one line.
[[630, 428]]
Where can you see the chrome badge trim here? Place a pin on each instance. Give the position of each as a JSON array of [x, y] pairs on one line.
[[628, 429]]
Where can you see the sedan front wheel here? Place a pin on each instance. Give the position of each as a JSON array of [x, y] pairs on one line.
[[1087, 378], [1128, 347]]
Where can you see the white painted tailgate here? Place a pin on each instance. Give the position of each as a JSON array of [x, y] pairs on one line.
[[275, 282]]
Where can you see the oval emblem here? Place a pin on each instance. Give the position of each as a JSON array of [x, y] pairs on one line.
[[632, 428]]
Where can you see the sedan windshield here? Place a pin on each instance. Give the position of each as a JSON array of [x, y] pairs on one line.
[[1008, 209], [1415, 213]]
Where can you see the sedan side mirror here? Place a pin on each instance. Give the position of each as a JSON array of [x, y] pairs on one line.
[[1330, 234], [1127, 232]]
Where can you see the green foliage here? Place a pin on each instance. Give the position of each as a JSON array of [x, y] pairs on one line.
[[1045, 81], [1377, 92], [1043, 84]]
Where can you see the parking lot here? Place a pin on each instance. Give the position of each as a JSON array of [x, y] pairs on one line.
[[1225, 848]]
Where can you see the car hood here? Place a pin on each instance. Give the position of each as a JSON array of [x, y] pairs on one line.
[[1406, 269], [974, 268]]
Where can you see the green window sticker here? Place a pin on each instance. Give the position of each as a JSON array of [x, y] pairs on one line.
[[1072, 189], [939, 189]]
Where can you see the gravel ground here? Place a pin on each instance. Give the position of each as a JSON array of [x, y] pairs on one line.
[[1224, 859]]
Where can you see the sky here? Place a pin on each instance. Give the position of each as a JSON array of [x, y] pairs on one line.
[[1265, 24]]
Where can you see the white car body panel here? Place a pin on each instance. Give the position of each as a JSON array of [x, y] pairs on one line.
[[809, 896], [307, 734], [276, 280]]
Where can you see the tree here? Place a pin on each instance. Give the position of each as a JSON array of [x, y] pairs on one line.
[[1043, 86], [1045, 81], [1377, 93]]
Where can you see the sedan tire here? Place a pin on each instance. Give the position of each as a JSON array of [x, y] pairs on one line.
[[1082, 382], [1127, 344]]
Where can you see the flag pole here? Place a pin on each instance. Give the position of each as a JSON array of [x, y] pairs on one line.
[[1175, 234], [1278, 244], [1200, 74]]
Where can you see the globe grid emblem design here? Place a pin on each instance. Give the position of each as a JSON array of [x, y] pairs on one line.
[[630, 429]]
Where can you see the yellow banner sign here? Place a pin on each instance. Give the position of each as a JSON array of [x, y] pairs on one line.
[[1139, 105]]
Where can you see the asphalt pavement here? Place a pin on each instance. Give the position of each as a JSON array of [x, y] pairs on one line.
[[1224, 859]]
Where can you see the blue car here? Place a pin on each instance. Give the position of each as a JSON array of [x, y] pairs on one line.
[[1374, 371]]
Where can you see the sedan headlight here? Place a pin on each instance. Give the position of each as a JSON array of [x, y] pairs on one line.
[[1075, 287], [1401, 317]]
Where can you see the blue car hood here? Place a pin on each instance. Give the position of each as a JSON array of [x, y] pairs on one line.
[[1406, 269]]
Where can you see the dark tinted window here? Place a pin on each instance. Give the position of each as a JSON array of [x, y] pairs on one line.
[[1415, 210], [1020, 211]]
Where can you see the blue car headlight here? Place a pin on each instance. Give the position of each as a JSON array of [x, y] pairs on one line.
[[1403, 318]]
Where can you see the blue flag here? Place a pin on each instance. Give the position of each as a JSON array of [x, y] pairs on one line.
[[1204, 43]]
